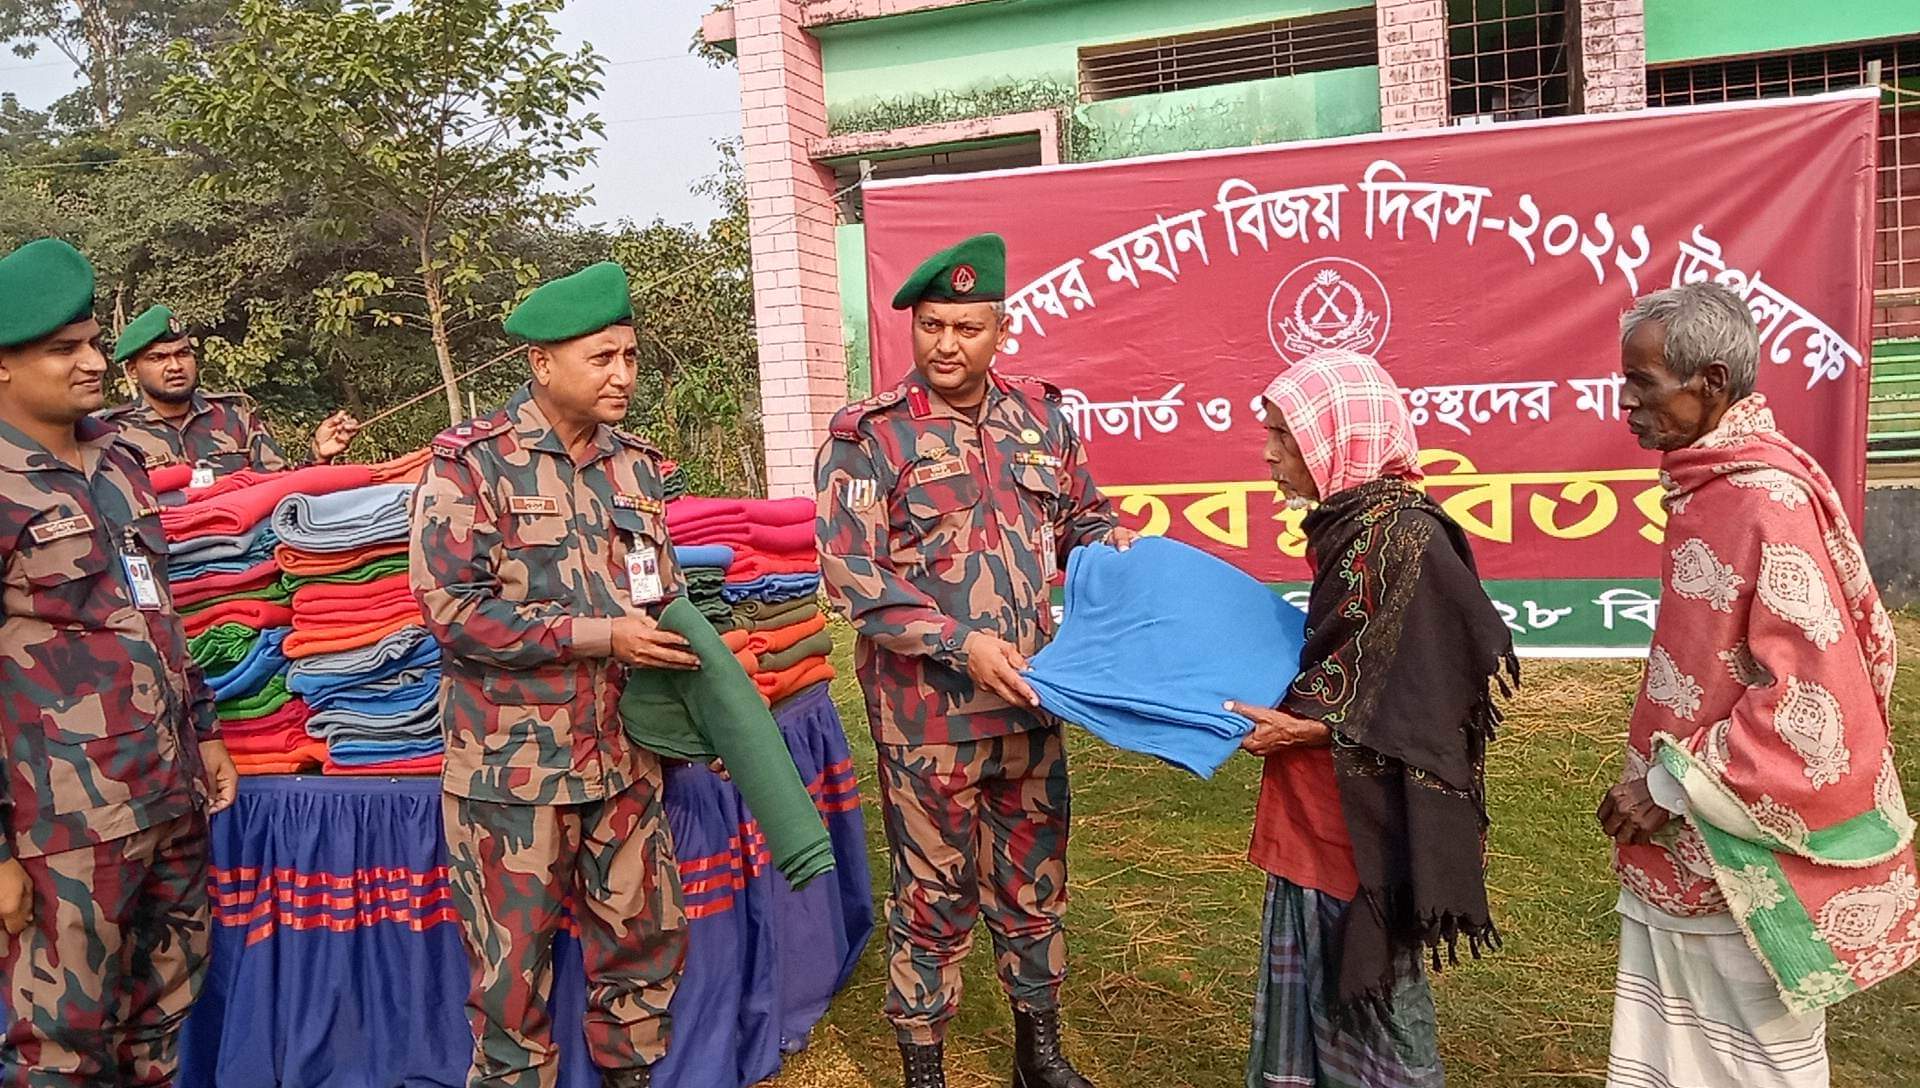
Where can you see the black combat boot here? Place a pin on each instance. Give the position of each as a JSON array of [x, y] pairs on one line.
[[639, 1077], [923, 1066], [1037, 1060]]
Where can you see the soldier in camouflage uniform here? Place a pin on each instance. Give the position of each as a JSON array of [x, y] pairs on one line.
[[540, 558], [107, 729], [947, 505], [172, 422]]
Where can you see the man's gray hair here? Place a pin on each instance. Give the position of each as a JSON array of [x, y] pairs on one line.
[[999, 308], [1704, 322]]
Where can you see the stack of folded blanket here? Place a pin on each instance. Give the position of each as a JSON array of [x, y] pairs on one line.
[[362, 661], [705, 568], [770, 586]]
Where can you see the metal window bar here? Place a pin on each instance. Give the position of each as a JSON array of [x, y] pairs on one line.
[[1318, 43], [1509, 60], [1896, 276]]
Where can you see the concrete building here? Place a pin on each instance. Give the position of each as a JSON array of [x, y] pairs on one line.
[[834, 90]]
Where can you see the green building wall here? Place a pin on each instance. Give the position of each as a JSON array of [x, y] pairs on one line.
[[1680, 30]]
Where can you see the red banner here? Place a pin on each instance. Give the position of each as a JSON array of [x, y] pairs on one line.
[[1486, 269]]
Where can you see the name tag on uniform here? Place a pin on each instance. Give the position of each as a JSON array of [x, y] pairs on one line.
[[1035, 457], [146, 588], [152, 461], [49, 531], [938, 470], [643, 576], [533, 504], [627, 501], [202, 477]]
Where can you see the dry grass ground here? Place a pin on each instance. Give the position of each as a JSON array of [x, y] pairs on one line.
[[1165, 912]]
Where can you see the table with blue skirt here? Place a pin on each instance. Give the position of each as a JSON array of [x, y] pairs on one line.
[[337, 960]]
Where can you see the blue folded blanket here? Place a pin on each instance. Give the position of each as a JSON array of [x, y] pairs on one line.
[[359, 753], [772, 588], [315, 678], [400, 693], [345, 520], [263, 662], [336, 724], [704, 555], [256, 543], [1154, 643]]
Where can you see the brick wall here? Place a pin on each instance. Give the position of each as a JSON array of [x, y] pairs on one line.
[[1613, 55], [1413, 63], [803, 367]]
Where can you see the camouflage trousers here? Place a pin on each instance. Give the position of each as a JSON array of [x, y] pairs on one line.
[[103, 976], [516, 870], [976, 828]]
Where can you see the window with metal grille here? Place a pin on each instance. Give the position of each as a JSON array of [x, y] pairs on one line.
[[1509, 60], [1289, 47], [1896, 278]]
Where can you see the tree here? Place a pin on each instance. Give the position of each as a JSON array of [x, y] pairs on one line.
[[440, 124], [115, 45]]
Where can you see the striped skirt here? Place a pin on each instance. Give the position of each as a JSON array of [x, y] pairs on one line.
[[1698, 1010], [1295, 1042]]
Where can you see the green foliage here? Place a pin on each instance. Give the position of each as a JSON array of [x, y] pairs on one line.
[[441, 126], [115, 44]]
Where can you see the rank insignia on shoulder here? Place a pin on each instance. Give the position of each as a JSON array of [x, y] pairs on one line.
[[1034, 457], [631, 501], [441, 449], [862, 493], [533, 504]]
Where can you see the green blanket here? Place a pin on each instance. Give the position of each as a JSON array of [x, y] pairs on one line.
[[718, 711], [818, 644], [273, 593], [258, 705], [761, 616], [221, 646], [367, 572]]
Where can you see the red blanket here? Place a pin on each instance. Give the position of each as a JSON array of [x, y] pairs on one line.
[[691, 512], [171, 477], [785, 541], [235, 511], [749, 565], [418, 765], [258, 615], [1766, 697], [208, 586], [403, 470], [321, 603]]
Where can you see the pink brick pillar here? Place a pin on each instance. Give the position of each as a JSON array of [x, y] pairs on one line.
[[796, 300], [1413, 64], [1613, 55]]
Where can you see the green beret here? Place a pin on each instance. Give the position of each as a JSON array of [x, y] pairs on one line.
[[44, 287], [973, 271], [576, 305], [151, 327]]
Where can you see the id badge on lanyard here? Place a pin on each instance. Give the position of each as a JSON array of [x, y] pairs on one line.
[[202, 476], [643, 575], [140, 579]]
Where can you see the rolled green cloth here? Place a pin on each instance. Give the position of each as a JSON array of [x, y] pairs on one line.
[[760, 616], [818, 644], [258, 705], [717, 712], [221, 646], [379, 568]]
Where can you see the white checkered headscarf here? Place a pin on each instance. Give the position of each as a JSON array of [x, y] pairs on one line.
[[1347, 414]]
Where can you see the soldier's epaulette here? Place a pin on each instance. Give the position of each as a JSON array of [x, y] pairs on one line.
[[455, 439], [243, 399], [846, 422], [636, 442], [1030, 384], [117, 412]]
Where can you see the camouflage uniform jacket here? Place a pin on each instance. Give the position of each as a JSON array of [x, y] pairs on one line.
[[222, 431], [101, 709], [933, 526], [520, 561]]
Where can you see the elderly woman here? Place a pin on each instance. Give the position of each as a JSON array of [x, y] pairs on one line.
[[1372, 814]]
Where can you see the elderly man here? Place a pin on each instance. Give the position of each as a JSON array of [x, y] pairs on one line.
[[171, 422], [541, 562], [1762, 842], [947, 504]]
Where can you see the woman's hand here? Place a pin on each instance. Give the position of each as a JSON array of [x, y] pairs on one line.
[[1274, 730]]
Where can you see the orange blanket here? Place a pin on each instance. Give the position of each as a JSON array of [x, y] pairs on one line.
[[775, 686], [315, 564], [755, 643], [307, 757], [333, 638]]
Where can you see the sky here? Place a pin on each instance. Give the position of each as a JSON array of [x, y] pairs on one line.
[[663, 106]]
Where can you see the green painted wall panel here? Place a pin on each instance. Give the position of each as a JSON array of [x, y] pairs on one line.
[[1680, 30], [977, 51], [850, 248], [1267, 111]]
